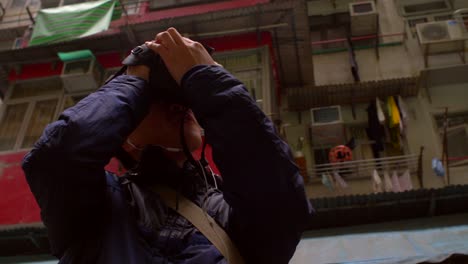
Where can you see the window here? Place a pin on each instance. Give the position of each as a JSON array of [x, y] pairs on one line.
[[253, 82], [413, 22], [252, 68], [132, 6], [331, 27], [77, 67], [457, 137], [35, 88], [429, 6], [321, 156], [43, 113], [28, 107], [70, 101], [10, 125], [362, 8]]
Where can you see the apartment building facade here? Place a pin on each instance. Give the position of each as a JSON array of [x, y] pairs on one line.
[[365, 51], [315, 67], [254, 39]]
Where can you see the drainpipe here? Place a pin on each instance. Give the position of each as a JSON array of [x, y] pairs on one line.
[[296, 50]]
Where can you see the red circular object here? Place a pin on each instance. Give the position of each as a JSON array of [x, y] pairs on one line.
[[340, 153]]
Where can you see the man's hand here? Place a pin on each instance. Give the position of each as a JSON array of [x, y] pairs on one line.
[[178, 53], [141, 71]]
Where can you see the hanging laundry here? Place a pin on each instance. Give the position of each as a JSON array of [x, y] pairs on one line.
[[394, 123], [393, 112], [376, 182], [438, 167], [388, 186], [328, 182], [396, 182], [340, 182], [403, 109], [375, 130], [405, 181], [380, 113]]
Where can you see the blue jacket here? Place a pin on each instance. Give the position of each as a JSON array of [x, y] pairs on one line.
[[94, 217]]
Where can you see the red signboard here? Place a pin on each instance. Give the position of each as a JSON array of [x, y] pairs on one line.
[[17, 204]]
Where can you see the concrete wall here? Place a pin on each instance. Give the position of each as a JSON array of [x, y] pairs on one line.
[[395, 61]]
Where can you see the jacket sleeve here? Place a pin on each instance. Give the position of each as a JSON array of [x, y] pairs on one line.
[[65, 168], [261, 182]]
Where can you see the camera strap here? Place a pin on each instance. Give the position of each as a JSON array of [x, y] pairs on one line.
[[202, 221]]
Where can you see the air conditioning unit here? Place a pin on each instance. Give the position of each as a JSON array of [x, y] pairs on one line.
[[414, 20], [327, 128], [422, 7], [364, 18], [81, 75], [440, 37]]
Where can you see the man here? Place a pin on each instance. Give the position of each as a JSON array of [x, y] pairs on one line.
[[94, 217]]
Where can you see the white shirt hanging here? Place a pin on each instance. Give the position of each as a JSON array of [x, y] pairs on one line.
[[328, 182], [387, 182], [405, 181], [340, 182], [380, 113], [396, 182], [376, 182]]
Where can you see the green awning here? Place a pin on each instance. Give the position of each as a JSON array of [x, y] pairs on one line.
[[73, 21], [75, 55]]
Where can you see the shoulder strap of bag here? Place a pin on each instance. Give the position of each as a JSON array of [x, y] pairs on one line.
[[202, 221]]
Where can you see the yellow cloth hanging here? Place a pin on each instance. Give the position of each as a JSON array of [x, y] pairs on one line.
[[393, 112]]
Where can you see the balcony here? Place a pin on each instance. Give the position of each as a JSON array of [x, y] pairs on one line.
[[362, 169], [303, 98]]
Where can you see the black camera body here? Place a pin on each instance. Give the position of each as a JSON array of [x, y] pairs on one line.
[[164, 87]]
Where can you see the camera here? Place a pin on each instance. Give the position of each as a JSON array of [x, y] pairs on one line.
[[164, 87]]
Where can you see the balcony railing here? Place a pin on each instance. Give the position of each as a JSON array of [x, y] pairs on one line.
[[362, 169], [320, 47]]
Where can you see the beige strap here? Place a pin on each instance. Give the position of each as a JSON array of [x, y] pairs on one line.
[[203, 222]]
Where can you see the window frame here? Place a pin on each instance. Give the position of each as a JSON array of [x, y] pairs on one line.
[[267, 85], [61, 106], [31, 101]]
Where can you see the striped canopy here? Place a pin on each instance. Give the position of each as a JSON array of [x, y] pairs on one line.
[[73, 21]]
